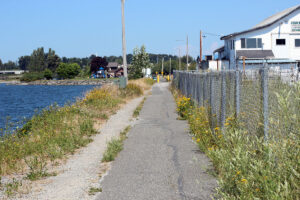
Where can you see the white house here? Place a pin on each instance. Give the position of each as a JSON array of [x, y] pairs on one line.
[[277, 38]]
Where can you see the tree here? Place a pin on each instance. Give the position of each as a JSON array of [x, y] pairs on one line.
[[10, 65], [37, 60], [98, 62], [48, 74], [24, 62], [1, 63], [68, 70], [140, 60], [52, 60]]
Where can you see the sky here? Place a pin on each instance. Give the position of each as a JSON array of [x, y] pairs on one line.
[[79, 28]]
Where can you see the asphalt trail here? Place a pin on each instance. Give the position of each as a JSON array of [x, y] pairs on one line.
[[159, 160]]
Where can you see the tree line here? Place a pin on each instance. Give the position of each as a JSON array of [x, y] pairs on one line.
[[47, 64], [40, 60]]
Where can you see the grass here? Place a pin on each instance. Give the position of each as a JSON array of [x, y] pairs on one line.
[[137, 111], [247, 167], [57, 132], [115, 146], [11, 188], [94, 190]]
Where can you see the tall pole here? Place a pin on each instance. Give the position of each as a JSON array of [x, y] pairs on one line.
[[200, 46], [200, 58], [187, 52], [124, 43]]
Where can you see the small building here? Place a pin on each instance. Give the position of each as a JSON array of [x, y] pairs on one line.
[[14, 72], [114, 69], [276, 39]]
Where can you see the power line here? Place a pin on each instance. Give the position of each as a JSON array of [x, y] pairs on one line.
[[212, 34]]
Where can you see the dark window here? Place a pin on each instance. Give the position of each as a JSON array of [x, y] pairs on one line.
[[297, 42], [280, 41], [243, 41], [232, 44], [259, 43], [251, 43]]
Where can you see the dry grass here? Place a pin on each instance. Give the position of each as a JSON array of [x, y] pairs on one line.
[[59, 131]]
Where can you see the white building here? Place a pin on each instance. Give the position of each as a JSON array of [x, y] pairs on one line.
[[276, 38]]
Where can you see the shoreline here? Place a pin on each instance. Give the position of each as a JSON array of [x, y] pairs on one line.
[[60, 82]]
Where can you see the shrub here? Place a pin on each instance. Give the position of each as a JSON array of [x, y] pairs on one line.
[[66, 70], [48, 74], [132, 90], [183, 105], [149, 81], [32, 76]]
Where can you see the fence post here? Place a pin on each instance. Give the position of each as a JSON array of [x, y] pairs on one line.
[[212, 100], [223, 101], [195, 87], [237, 93], [265, 100], [204, 89]]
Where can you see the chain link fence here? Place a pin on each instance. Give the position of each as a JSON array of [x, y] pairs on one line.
[[252, 96]]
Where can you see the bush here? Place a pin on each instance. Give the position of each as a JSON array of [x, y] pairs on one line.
[[132, 90], [68, 71], [32, 76], [149, 81], [48, 74]]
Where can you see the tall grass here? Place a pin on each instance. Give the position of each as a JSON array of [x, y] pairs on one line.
[[59, 131], [247, 166]]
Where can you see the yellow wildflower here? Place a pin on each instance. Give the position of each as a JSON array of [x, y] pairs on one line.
[[238, 172], [244, 180], [257, 189], [198, 140]]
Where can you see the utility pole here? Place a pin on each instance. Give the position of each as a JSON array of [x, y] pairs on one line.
[[124, 43], [200, 46], [187, 53], [200, 58]]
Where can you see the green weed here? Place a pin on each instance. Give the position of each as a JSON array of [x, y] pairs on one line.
[[115, 146], [94, 190], [12, 188], [137, 111]]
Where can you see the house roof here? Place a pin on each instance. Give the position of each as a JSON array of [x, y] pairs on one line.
[[254, 54], [266, 23], [221, 49], [113, 64]]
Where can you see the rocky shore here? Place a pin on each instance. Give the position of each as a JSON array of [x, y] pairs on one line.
[[62, 82]]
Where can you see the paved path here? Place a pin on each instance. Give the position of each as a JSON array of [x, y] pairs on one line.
[[159, 160]]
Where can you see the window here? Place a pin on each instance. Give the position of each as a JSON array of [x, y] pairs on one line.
[[232, 44], [280, 42], [297, 42], [248, 43]]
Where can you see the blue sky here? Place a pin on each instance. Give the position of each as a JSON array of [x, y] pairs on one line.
[[78, 28]]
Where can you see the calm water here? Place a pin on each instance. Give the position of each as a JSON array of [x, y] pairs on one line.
[[18, 101]]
